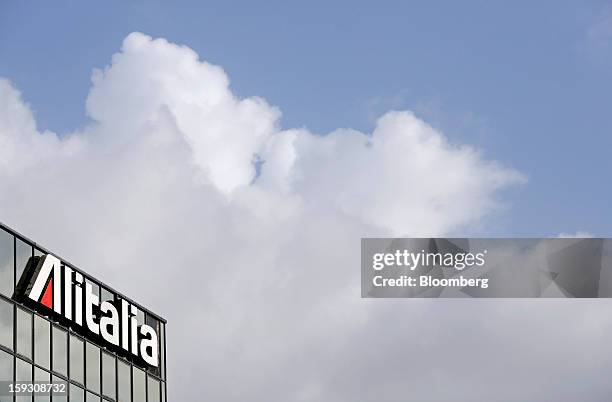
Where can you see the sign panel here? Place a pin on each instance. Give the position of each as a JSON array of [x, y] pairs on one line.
[[53, 288]]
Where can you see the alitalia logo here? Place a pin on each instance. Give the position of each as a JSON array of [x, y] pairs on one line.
[[50, 285]]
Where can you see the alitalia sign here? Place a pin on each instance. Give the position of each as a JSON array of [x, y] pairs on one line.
[[52, 287]]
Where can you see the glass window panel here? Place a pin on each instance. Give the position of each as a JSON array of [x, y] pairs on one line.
[[42, 342], [123, 376], [7, 279], [138, 377], [125, 387], [60, 351], [6, 372], [92, 397], [23, 254], [92, 370], [77, 394], [95, 288], [24, 373], [6, 366], [106, 295], [153, 390], [41, 375], [108, 375], [60, 396], [77, 359], [24, 333], [26, 397], [140, 317], [6, 324]]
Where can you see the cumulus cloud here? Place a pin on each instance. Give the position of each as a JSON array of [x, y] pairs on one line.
[[245, 235], [21, 145], [226, 134]]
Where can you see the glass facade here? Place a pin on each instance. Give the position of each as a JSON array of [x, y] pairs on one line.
[[34, 347]]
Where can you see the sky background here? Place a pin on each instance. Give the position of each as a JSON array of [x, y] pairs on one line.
[[249, 147], [529, 83]]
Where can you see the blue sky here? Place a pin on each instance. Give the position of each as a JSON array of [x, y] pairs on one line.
[[530, 84], [162, 186]]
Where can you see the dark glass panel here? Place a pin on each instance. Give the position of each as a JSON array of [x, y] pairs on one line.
[[153, 390], [77, 394], [77, 359], [108, 375], [124, 382], [6, 324], [6, 372], [60, 351], [42, 342], [24, 333], [6, 366], [23, 254], [92, 371], [92, 397], [24, 374], [42, 376], [62, 394], [139, 380], [140, 317], [23, 371], [95, 288], [7, 264], [106, 295]]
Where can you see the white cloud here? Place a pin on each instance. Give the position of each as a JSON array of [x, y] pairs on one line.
[[148, 77], [21, 145], [259, 274]]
